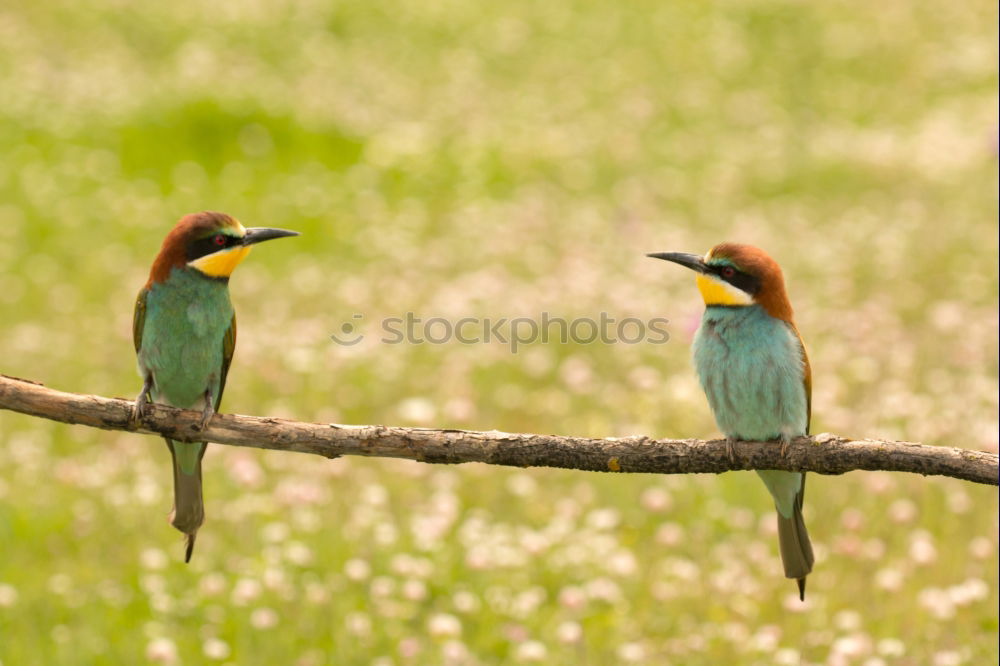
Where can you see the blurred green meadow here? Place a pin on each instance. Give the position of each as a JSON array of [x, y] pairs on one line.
[[457, 159]]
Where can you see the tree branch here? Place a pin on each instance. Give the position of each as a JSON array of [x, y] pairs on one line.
[[824, 454]]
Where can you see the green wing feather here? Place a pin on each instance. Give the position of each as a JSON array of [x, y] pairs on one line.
[[139, 318], [228, 347], [807, 380]]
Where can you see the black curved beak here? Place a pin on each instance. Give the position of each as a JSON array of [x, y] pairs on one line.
[[692, 261], [261, 234]]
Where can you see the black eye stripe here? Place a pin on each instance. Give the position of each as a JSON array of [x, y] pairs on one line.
[[207, 245], [739, 279]]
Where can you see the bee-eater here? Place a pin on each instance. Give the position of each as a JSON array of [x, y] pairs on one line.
[[753, 367], [184, 331]]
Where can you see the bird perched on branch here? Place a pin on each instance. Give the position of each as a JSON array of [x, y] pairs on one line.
[[184, 331], [753, 367]]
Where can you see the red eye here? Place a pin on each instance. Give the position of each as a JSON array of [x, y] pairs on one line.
[[219, 240], [728, 272]]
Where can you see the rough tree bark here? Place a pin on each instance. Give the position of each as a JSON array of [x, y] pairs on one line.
[[823, 454]]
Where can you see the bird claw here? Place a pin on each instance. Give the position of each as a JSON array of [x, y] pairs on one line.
[[731, 449], [784, 448], [137, 414], [207, 413], [140, 408]]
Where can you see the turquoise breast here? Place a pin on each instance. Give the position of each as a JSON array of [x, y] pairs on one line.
[[751, 367]]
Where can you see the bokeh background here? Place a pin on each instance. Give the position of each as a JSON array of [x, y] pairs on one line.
[[497, 160]]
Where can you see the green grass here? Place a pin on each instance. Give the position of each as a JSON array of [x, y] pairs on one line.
[[499, 160]]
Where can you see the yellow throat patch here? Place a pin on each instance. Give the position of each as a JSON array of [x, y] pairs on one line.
[[221, 264], [717, 292]]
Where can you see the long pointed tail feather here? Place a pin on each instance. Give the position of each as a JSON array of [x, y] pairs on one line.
[[788, 490], [189, 546], [189, 509], [793, 541]]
